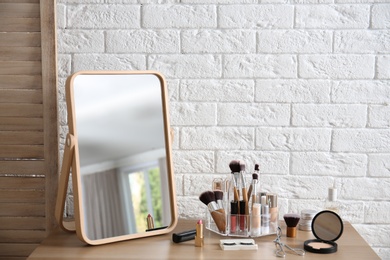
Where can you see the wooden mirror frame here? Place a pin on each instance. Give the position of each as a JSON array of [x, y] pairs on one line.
[[71, 163]]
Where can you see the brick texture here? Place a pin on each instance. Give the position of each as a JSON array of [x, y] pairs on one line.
[[301, 87]]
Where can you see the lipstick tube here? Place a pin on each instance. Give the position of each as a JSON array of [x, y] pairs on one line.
[[233, 217], [150, 222], [199, 240], [243, 217]]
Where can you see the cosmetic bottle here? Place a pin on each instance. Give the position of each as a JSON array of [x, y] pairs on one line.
[[265, 218], [307, 216], [272, 200], [332, 203], [255, 229]]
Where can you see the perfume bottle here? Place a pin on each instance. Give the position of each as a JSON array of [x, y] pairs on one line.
[[332, 203]]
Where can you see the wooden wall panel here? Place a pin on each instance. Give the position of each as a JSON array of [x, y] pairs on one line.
[[33, 96], [20, 25], [28, 182], [18, 124], [20, 53], [18, 39], [22, 209], [20, 67], [21, 82], [22, 223], [28, 168], [20, 110], [28, 125]]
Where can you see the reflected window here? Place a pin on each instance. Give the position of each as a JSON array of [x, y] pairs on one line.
[[143, 184]]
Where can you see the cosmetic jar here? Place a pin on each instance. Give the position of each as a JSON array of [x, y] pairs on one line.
[[307, 216], [327, 227]]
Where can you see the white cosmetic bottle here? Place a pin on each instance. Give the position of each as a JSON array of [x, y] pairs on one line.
[[332, 203]]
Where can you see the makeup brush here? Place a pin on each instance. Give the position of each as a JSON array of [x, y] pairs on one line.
[[244, 191], [219, 198], [252, 192], [255, 178], [235, 168], [218, 214], [291, 220]]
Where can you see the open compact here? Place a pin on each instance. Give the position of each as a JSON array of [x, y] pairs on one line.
[[327, 227]]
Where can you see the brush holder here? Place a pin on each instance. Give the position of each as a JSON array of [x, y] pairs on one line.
[[245, 225]]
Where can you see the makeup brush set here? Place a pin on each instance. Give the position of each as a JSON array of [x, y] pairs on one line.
[[236, 207]]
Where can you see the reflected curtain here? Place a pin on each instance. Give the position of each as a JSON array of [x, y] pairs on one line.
[[103, 206]]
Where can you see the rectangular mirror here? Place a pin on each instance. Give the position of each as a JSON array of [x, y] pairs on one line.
[[119, 152]]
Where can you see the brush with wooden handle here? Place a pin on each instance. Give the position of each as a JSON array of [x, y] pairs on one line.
[[217, 213]]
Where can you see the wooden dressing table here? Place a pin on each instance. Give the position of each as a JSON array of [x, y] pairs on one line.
[[62, 245]]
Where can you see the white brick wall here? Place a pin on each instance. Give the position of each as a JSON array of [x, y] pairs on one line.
[[301, 87]]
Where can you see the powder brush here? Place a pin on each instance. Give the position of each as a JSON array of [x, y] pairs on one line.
[[234, 166], [218, 214], [219, 198], [291, 220]]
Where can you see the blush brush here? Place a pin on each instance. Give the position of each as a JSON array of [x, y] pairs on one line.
[[218, 214], [219, 198], [291, 220]]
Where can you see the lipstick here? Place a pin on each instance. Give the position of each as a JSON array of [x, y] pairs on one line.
[[199, 234], [233, 216], [150, 222]]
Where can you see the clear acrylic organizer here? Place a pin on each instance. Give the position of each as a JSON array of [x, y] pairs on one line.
[[243, 225]]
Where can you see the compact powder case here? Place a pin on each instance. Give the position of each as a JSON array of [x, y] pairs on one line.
[[327, 227]]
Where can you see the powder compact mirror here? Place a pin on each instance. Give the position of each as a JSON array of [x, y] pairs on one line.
[[327, 227]]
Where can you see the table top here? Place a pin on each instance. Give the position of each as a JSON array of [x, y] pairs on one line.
[[63, 245]]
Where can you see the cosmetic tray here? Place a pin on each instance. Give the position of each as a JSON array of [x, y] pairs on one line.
[[248, 231]]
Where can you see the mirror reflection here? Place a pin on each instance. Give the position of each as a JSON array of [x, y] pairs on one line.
[[327, 226], [122, 151]]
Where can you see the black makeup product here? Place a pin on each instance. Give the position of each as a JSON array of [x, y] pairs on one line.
[[156, 228], [184, 236], [327, 227]]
